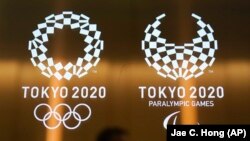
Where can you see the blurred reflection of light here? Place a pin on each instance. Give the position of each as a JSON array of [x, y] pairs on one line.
[[189, 114], [238, 72], [9, 73], [122, 80], [131, 73], [56, 134], [124, 73]]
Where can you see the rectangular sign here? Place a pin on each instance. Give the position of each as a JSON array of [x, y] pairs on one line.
[[211, 132]]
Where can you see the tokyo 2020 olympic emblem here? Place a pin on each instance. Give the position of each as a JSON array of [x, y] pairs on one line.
[[83, 64]]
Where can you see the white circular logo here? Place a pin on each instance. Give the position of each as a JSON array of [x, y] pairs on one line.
[[83, 64], [185, 61]]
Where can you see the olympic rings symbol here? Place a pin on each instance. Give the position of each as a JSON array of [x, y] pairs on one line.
[[53, 113]]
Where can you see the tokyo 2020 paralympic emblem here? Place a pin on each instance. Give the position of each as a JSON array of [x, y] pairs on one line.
[[185, 61]]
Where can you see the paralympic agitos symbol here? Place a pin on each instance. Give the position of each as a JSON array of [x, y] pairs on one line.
[[186, 61], [174, 115]]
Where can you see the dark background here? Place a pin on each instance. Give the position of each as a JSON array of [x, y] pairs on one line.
[[122, 68]]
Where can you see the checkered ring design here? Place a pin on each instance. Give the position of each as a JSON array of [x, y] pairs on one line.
[[83, 64], [186, 61]]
